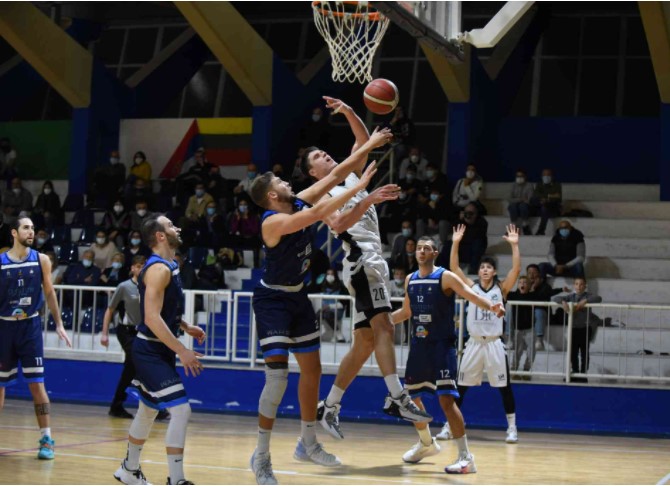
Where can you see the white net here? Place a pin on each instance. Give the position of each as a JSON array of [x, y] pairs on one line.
[[353, 31]]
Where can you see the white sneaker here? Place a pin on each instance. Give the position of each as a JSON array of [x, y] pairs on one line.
[[329, 419], [539, 344], [512, 436], [445, 433], [127, 476], [316, 454], [405, 408], [463, 465], [261, 466], [419, 451]]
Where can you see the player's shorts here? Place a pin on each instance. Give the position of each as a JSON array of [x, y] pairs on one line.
[[156, 382], [484, 353], [366, 276], [21, 342], [285, 321], [431, 367]]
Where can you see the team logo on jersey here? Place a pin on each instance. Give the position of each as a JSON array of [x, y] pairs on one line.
[[25, 301], [19, 313], [421, 332]]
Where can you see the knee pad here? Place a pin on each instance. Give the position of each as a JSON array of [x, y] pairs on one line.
[[176, 432], [144, 419], [276, 380]]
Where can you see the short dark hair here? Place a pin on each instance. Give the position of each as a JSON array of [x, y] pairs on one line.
[[138, 260], [150, 227], [580, 277], [305, 164], [490, 260], [17, 223], [533, 265], [431, 239], [259, 189]]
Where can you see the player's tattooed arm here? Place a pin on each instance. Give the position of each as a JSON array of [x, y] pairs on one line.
[[42, 408]]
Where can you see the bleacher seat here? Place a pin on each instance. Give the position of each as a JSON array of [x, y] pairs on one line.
[[66, 316], [67, 253], [60, 235], [87, 234], [197, 255]]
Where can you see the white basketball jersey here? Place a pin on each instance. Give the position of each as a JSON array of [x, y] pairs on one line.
[[365, 232], [484, 323]]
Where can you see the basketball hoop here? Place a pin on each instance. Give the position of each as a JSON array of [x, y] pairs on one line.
[[353, 31]]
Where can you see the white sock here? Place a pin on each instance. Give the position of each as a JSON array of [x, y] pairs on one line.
[[511, 420], [308, 433], [424, 436], [263, 440], [334, 396], [176, 467], [462, 443], [133, 456], [45, 431], [394, 385]]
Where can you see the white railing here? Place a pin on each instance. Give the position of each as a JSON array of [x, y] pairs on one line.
[[629, 343]]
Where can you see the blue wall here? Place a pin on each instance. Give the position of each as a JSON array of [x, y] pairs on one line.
[[539, 407]]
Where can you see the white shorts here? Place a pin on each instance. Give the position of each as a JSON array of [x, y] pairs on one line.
[[484, 354], [367, 279]]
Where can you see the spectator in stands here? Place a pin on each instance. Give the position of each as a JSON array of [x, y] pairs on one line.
[[201, 167], [278, 171], [299, 180], [48, 206], [469, 189], [212, 227], [403, 132], [18, 199], [43, 242], [56, 270], [242, 188], [407, 261], [139, 191], [392, 215], [332, 310], [475, 241], [103, 250], [116, 223], [583, 322], [197, 203], [540, 291], [435, 179], [433, 215], [229, 258], [116, 273], [399, 241], [189, 279], [567, 252], [520, 197], [135, 247], [547, 197], [397, 288], [317, 131], [216, 185], [109, 178], [6, 239], [521, 324], [417, 161], [411, 184], [138, 216], [83, 273], [245, 227], [7, 160], [141, 168]]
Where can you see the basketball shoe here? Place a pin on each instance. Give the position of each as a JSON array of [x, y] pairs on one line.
[[46, 451], [316, 454], [329, 419], [404, 408], [419, 451], [181, 481], [464, 465], [126, 476], [261, 466], [445, 433], [512, 436]]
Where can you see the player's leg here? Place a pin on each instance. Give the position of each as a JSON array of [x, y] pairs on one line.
[[8, 358], [471, 369], [130, 471], [497, 370], [426, 446], [175, 439]]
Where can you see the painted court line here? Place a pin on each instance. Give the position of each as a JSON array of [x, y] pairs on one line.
[[66, 446], [665, 479]]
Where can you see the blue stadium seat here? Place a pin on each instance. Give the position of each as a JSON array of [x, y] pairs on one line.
[[66, 315], [197, 255], [60, 235], [88, 234], [68, 253]]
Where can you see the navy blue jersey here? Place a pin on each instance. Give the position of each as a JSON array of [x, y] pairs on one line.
[[20, 286], [287, 263], [173, 305], [432, 310]]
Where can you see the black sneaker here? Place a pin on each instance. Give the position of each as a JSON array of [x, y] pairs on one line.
[[527, 231], [181, 481], [163, 415], [119, 412]]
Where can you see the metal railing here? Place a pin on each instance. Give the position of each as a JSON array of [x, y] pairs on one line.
[[624, 344]]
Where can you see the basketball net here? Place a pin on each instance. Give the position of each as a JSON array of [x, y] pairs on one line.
[[353, 31]]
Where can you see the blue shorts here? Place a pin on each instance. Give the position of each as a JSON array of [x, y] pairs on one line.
[[285, 322], [21, 341], [156, 382], [432, 367]]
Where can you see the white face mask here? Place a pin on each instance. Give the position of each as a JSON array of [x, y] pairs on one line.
[[16, 190], [402, 196], [430, 173], [116, 265], [118, 208], [520, 180], [100, 241], [41, 241], [138, 160], [410, 177], [398, 281], [316, 118], [141, 212], [87, 263], [47, 190], [470, 174], [113, 160], [414, 158], [546, 179], [135, 241], [330, 278], [406, 232]]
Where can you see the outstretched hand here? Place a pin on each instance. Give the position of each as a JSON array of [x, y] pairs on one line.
[[336, 105], [197, 333], [388, 192], [370, 171], [512, 236], [498, 309], [378, 137], [459, 231]]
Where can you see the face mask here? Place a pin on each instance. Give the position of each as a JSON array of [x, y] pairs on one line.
[[47, 190], [41, 241], [211, 211], [316, 118], [330, 278], [100, 241], [409, 253], [113, 160], [410, 177], [87, 263], [138, 160], [243, 209], [546, 179], [116, 265], [564, 232], [406, 232], [414, 158], [430, 173], [398, 281], [470, 174], [251, 175], [434, 197], [135, 242], [520, 180], [141, 212], [118, 208], [17, 190], [199, 193]]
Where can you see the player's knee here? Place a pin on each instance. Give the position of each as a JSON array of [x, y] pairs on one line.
[[364, 341], [276, 381], [176, 432], [143, 421]]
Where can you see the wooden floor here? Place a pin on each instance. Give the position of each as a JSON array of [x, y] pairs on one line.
[[90, 445]]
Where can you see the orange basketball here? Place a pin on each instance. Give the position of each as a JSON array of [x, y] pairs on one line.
[[381, 96]]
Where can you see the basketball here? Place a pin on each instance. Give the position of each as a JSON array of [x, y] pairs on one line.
[[381, 96]]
